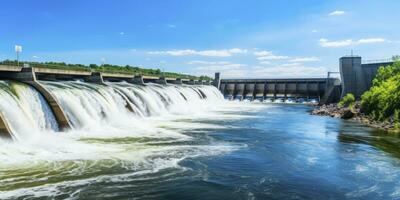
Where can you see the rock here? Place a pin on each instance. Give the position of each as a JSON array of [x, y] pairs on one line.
[[334, 110], [347, 114]]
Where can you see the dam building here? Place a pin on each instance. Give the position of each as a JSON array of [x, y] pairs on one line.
[[356, 77]]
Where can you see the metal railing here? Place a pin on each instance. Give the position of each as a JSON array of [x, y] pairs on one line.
[[378, 61]]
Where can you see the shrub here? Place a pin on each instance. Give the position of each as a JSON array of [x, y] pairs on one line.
[[348, 100]]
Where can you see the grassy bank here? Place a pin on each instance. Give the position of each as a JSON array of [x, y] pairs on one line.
[[106, 68]]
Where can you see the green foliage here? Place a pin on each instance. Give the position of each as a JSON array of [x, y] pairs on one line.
[[107, 68], [382, 101], [348, 100], [396, 57], [396, 119]]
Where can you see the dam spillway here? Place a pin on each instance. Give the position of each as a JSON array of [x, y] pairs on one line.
[[318, 89], [33, 103]]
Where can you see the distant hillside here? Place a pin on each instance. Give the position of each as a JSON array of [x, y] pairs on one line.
[[106, 68]]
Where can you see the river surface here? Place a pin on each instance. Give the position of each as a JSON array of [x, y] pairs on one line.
[[239, 151]]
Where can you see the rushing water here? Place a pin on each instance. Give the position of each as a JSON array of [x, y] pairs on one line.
[[186, 142]]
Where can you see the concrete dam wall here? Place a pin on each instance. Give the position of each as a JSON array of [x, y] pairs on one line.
[[301, 88], [356, 76], [36, 100]]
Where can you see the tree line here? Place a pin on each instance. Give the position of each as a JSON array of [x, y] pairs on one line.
[[107, 68]]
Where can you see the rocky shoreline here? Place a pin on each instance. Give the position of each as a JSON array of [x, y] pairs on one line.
[[333, 110]]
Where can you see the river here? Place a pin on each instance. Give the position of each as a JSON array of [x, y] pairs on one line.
[[232, 150]]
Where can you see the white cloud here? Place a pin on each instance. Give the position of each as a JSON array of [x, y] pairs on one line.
[[263, 53], [237, 50], [314, 31], [371, 40], [340, 43], [209, 53], [122, 33], [268, 55], [265, 63], [210, 67], [272, 57], [289, 65], [337, 13], [289, 71], [304, 59], [343, 43]]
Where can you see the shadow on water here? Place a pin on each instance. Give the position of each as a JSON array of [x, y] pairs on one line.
[[353, 132]]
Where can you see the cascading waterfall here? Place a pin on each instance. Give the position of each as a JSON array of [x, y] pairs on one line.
[[25, 110], [93, 106], [154, 99], [90, 106]]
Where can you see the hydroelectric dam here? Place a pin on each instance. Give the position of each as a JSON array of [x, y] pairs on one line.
[[44, 98]]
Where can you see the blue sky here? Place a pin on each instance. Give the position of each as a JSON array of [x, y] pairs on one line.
[[252, 38]]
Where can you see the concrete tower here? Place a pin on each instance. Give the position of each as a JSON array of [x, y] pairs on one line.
[[217, 80], [352, 76]]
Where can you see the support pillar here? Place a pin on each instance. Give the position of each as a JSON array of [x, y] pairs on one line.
[[137, 80], [95, 77], [217, 80], [162, 81]]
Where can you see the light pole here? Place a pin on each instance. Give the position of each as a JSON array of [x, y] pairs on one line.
[[18, 50]]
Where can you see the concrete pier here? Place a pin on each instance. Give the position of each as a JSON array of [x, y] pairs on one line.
[[217, 80], [161, 80], [137, 80], [28, 76], [178, 81], [95, 77], [5, 131], [61, 117]]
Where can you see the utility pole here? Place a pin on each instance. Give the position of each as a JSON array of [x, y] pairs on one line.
[[18, 50]]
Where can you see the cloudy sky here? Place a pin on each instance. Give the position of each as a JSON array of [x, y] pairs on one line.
[[252, 38]]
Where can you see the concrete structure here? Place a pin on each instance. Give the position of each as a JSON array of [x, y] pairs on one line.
[[27, 75], [161, 80], [217, 80], [5, 131], [357, 77], [305, 88], [178, 81]]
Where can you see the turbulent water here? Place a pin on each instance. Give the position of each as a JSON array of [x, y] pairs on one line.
[[185, 142]]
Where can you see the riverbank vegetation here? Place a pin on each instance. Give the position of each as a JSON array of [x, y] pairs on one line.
[[107, 68], [382, 101], [347, 101]]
